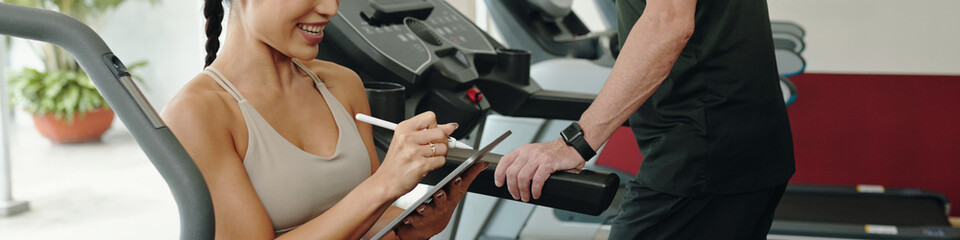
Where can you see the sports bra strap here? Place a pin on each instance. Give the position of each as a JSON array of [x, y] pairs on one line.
[[316, 79], [216, 75]]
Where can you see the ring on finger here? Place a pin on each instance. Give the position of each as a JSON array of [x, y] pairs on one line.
[[433, 150]]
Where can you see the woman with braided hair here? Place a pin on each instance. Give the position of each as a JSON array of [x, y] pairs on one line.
[[271, 129]]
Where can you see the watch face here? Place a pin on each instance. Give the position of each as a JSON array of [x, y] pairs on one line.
[[571, 132]]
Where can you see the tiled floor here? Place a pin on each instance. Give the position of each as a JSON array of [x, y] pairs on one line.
[[101, 190]]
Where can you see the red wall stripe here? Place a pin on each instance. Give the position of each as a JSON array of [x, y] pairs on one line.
[[899, 131], [894, 130]]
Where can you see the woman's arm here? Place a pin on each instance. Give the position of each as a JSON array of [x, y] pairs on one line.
[[200, 121], [435, 216], [388, 215]]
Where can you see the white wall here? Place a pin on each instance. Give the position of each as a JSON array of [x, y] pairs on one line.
[[865, 36], [168, 34], [877, 36]]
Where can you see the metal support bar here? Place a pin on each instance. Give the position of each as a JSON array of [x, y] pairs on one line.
[[8, 206]]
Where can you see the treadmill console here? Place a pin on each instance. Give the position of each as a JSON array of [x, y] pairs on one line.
[[442, 60], [411, 35]]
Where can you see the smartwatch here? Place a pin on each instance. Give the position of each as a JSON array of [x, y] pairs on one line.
[[573, 136]]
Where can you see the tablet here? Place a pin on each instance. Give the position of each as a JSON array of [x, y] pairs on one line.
[[443, 182]]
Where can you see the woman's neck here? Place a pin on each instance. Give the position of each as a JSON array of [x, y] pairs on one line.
[[247, 60]]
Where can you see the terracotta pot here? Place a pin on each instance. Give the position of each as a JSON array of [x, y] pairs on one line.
[[87, 129]]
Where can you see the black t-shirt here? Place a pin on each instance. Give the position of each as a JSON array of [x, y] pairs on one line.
[[717, 124]]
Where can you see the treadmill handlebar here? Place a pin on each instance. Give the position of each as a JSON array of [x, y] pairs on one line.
[[111, 79], [587, 192], [510, 92]]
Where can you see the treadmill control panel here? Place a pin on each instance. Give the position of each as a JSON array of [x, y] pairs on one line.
[[397, 42], [413, 42], [438, 55], [459, 31]]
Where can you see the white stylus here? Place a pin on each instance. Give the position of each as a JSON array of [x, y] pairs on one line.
[[451, 142]]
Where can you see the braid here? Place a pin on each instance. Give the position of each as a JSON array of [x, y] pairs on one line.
[[213, 12]]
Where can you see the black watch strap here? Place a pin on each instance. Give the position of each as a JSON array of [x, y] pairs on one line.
[[573, 136]]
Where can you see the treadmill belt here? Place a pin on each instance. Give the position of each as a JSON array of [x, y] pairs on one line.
[[862, 209]]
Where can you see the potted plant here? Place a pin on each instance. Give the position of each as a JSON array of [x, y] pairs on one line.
[[65, 105]]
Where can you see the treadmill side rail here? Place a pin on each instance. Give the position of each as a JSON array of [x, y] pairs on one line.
[[588, 192], [846, 212], [861, 231]]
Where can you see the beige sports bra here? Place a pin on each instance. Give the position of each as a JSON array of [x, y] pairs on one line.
[[295, 186]]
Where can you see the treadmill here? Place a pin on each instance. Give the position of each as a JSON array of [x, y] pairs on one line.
[[861, 212], [589, 192]]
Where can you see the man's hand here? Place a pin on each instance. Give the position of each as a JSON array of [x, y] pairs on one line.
[[528, 167]]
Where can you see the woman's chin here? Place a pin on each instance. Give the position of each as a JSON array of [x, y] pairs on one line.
[[305, 53]]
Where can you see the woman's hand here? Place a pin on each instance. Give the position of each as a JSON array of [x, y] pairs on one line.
[[429, 219], [418, 146]]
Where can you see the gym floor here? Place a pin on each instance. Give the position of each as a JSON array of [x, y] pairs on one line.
[[107, 189]]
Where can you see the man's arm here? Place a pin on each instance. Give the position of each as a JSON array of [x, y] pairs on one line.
[[651, 49], [648, 55]]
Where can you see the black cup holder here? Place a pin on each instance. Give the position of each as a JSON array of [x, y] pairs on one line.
[[386, 100], [515, 64]]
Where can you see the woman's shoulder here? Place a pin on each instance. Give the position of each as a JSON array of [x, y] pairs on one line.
[[202, 116], [200, 102]]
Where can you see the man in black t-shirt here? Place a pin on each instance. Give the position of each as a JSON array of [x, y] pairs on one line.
[[698, 82]]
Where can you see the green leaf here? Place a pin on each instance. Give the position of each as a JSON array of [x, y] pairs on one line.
[[85, 104], [25, 77], [136, 77], [53, 89], [52, 77], [84, 81], [45, 106], [28, 3], [32, 92], [70, 98], [137, 65]]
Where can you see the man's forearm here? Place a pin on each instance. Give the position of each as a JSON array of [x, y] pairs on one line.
[[647, 57]]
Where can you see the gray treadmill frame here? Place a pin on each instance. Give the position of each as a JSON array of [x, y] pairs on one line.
[[115, 84]]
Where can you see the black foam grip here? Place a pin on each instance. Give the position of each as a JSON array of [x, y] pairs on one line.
[[589, 192]]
